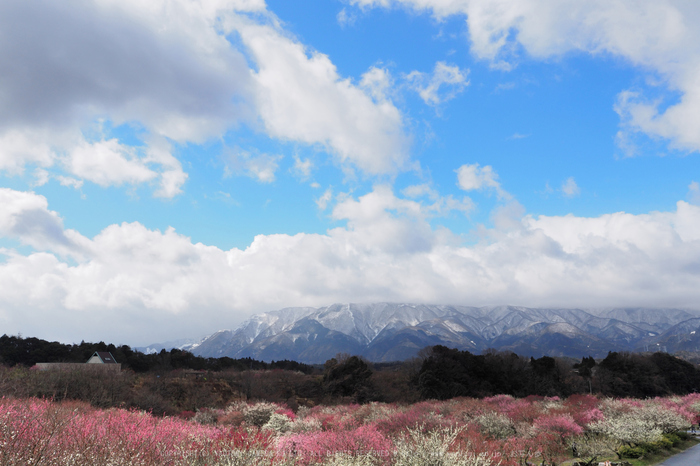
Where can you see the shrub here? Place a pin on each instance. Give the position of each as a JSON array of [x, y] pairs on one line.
[[41, 432], [232, 418], [302, 425], [662, 444], [562, 425], [627, 451], [524, 411], [310, 448], [278, 423], [397, 423], [551, 403], [205, 417], [496, 425], [259, 413], [590, 416], [433, 449], [675, 439]]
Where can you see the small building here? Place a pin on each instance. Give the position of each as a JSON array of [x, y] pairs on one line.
[[100, 360], [102, 357]]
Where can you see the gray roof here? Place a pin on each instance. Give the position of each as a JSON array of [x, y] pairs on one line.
[[105, 356]]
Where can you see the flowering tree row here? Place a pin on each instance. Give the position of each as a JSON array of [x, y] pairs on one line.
[[467, 432]]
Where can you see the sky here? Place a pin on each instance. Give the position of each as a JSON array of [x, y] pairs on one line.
[[170, 168]]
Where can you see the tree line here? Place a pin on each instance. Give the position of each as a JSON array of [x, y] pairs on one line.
[[27, 352], [447, 373], [174, 381]]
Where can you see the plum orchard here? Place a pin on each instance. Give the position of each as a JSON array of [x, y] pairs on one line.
[[459, 432]]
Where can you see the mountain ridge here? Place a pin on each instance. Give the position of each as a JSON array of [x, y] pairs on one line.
[[395, 331]]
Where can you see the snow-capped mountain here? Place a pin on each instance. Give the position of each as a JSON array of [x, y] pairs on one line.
[[392, 331], [184, 343]]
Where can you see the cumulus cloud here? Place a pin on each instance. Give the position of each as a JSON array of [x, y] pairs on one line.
[[569, 187], [656, 35], [25, 216], [445, 82], [378, 82], [508, 216], [66, 65], [300, 96], [166, 71], [135, 285], [161, 63], [472, 177], [108, 163], [19, 148]]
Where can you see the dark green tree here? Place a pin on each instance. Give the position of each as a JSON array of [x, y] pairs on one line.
[[349, 377]]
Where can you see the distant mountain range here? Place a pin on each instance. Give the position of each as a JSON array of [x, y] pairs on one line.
[[183, 343], [392, 332]]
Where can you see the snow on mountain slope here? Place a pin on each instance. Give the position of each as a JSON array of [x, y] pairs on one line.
[[382, 331]]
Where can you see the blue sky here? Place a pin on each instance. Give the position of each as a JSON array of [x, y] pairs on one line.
[[168, 169]]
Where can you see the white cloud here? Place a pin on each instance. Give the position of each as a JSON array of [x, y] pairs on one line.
[[21, 147], [380, 221], [172, 176], [166, 69], [42, 177], [25, 216], [442, 85], [345, 19], [322, 202], [108, 163], [694, 193], [569, 187], [420, 190], [160, 64], [303, 167], [472, 177], [508, 216], [135, 285], [378, 82], [441, 205], [261, 167], [303, 98], [68, 181], [655, 35]]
